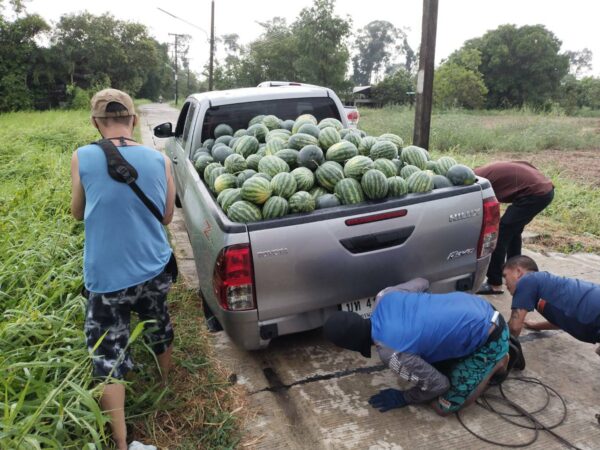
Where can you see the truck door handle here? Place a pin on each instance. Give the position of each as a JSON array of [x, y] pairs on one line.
[[174, 159], [377, 241]]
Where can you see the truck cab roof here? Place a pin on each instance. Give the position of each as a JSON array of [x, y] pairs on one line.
[[252, 94]]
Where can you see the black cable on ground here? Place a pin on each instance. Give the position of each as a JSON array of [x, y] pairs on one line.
[[485, 402]]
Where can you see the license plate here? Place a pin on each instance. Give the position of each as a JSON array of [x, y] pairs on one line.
[[363, 307]]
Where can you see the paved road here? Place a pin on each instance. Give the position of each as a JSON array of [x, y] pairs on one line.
[[309, 395]]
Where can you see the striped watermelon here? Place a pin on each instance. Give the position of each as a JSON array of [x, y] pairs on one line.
[[298, 124], [235, 163], [224, 181], [262, 151], [356, 167], [246, 146], [240, 132], [284, 135], [386, 166], [398, 163], [275, 207], [210, 182], [310, 156], [228, 197], [223, 129], [208, 169], [408, 170], [461, 175], [290, 156], [374, 184], [226, 139], [341, 152], [272, 165], [328, 137], [274, 145], [394, 138], [221, 152], [364, 148], [256, 119], [284, 185], [252, 161], [208, 143], [256, 190], [243, 212], [262, 175], [299, 140], [397, 187], [245, 175], [259, 131], [383, 149], [420, 182], [440, 181], [307, 117], [443, 164], [330, 122], [301, 201], [271, 122], [305, 178], [327, 201], [317, 192], [354, 138], [288, 125], [309, 128], [202, 161], [415, 156], [349, 191], [431, 165], [329, 174]]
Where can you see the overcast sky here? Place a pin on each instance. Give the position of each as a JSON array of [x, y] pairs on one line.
[[574, 22]]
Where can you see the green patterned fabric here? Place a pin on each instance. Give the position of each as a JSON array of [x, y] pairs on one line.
[[465, 374]]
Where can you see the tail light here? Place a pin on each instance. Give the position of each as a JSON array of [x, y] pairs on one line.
[[233, 278], [489, 228], [353, 117]]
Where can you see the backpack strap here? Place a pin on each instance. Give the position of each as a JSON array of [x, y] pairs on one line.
[[123, 172]]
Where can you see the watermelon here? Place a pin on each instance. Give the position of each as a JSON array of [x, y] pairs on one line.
[[327, 201], [443, 164], [235, 163], [349, 191], [208, 143], [440, 181], [309, 128], [259, 131], [244, 175], [364, 148], [415, 156], [202, 161], [274, 145], [398, 163], [328, 137], [262, 151], [311, 157], [383, 149], [408, 170], [394, 138], [374, 184], [243, 212], [330, 122], [271, 122], [252, 161], [221, 152], [461, 175], [284, 135], [305, 179], [301, 201], [210, 182], [288, 124], [329, 174], [397, 187], [283, 185], [420, 182], [431, 165], [226, 139], [289, 156], [354, 138], [228, 197], [341, 152], [225, 181], [256, 119], [208, 169], [307, 117], [317, 192], [272, 165], [256, 190], [239, 133], [299, 140], [386, 166], [223, 129], [246, 146], [298, 124], [275, 207], [356, 166]]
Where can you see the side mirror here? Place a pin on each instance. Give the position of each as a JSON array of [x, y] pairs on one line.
[[164, 130]]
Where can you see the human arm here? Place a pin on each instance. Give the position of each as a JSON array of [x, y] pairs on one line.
[[414, 285], [516, 322], [170, 201], [77, 192], [539, 326]]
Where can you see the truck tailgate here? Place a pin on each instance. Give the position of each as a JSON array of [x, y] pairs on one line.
[[307, 263]]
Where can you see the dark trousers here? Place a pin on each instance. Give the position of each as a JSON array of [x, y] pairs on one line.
[[517, 215]]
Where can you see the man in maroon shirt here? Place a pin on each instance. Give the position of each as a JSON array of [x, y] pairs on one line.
[[528, 191]]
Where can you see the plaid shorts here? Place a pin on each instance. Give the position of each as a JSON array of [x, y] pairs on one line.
[[466, 374], [108, 316]]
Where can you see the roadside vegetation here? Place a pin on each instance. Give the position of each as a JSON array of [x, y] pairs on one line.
[[48, 396]]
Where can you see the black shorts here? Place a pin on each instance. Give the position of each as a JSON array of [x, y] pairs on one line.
[[107, 320]]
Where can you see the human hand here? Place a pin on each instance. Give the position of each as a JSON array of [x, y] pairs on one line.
[[388, 399]]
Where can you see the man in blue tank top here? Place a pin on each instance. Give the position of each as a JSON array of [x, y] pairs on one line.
[[126, 251], [568, 304], [447, 345]]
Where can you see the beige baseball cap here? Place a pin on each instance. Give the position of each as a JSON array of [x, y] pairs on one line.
[[106, 96]]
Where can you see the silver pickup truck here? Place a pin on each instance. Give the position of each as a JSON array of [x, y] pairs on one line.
[[266, 279]]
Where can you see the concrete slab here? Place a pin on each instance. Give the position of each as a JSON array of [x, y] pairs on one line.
[[307, 394]]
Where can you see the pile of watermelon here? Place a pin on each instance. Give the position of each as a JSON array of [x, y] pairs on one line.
[[275, 167]]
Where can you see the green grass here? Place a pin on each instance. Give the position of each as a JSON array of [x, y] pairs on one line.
[[47, 397]]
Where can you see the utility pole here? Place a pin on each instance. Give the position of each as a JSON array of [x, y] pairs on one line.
[[177, 36], [425, 74], [212, 45]]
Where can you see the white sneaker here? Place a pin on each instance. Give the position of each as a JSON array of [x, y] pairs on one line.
[[135, 445]]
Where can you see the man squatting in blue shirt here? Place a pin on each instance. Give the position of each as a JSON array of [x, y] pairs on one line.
[[566, 303], [447, 345]]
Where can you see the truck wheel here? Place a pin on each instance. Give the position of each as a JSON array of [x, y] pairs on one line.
[[212, 323], [177, 201]]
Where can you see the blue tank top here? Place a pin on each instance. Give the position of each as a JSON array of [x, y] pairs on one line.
[[125, 244], [435, 327]]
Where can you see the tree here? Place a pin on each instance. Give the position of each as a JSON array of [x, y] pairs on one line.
[[394, 89], [377, 44], [579, 62], [520, 65]]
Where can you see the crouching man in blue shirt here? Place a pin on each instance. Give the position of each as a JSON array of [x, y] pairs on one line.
[[447, 345], [566, 303]]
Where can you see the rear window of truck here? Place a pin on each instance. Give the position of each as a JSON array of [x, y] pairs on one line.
[[239, 114]]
